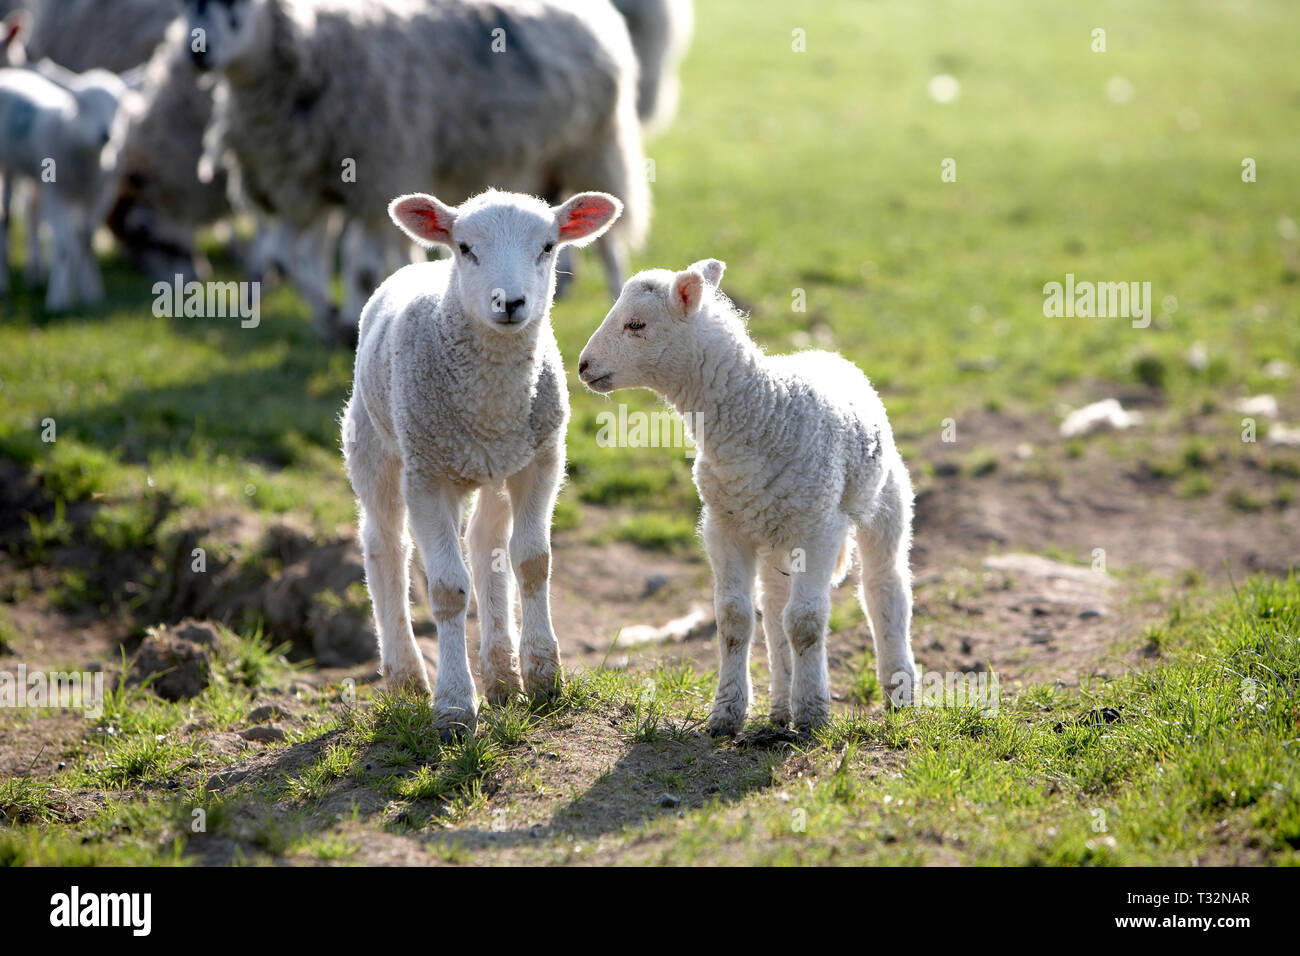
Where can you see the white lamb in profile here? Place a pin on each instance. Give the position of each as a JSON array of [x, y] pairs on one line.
[[795, 462], [459, 387]]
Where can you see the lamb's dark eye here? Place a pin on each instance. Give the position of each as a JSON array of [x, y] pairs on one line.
[[634, 325], [465, 250], [548, 247]]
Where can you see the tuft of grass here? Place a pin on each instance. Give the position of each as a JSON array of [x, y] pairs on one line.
[[657, 532], [336, 762]]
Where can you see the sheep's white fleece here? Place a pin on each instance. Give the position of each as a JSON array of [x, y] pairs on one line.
[[795, 460], [457, 401], [459, 387]]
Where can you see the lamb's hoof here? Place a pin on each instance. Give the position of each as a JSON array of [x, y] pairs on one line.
[[725, 722], [454, 723], [501, 689], [807, 724], [402, 681], [779, 717], [501, 679], [900, 692], [545, 681]]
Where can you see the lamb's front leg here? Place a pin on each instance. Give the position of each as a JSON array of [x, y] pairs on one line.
[[532, 499], [435, 519], [733, 602], [376, 476], [489, 536]]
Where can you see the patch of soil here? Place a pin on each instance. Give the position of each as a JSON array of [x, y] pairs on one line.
[[1039, 499]]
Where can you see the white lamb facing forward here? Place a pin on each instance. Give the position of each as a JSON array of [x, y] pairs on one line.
[[459, 386], [795, 461]]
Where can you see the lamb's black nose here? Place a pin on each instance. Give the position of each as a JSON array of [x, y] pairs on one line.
[[582, 366], [514, 305]]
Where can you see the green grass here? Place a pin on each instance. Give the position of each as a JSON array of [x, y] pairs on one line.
[[934, 288], [1202, 766]]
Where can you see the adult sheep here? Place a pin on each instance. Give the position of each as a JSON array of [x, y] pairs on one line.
[[340, 104], [160, 200], [459, 386]]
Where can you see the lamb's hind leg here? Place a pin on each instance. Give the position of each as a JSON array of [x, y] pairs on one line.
[[489, 537], [776, 593], [733, 588], [886, 591], [806, 617], [532, 499], [377, 479]]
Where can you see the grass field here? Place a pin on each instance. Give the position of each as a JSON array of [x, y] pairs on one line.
[[816, 176]]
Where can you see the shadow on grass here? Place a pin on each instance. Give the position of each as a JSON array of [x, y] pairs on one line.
[[474, 794]]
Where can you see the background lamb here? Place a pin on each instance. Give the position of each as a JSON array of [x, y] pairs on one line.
[[459, 385], [796, 461], [57, 124], [313, 90]]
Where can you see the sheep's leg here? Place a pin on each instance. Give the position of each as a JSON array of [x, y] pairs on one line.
[[532, 499], [886, 592], [489, 537], [310, 267], [367, 258], [90, 281], [613, 256], [435, 510], [733, 589], [64, 258], [805, 618], [776, 594], [377, 479], [34, 271]]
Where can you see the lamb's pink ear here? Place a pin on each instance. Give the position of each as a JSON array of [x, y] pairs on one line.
[[686, 293], [423, 218], [585, 216]]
